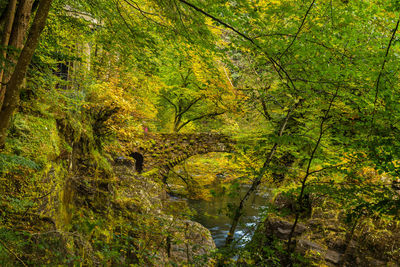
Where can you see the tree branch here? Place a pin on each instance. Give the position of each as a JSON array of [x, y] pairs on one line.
[[257, 180], [199, 118], [308, 173], [330, 167], [185, 78], [13, 253], [124, 20], [134, 5], [298, 31], [11, 97], [169, 101], [277, 67], [190, 105], [145, 14], [383, 68], [264, 107]]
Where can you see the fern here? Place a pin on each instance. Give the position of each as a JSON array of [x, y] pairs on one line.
[[11, 163]]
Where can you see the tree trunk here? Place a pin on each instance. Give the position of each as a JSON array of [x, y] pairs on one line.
[[11, 97], [9, 20], [18, 28], [257, 180], [3, 15], [21, 24]]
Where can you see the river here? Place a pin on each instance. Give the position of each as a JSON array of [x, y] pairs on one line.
[[212, 215]]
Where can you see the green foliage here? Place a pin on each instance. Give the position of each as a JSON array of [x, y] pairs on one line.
[[13, 163], [37, 249], [30, 134], [107, 70]]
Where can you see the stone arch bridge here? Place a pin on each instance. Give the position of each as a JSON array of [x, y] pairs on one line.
[[166, 150]]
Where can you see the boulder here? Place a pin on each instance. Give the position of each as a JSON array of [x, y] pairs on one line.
[[304, 245], [281, 228], [333, 256], [190, 240], [328, 255]]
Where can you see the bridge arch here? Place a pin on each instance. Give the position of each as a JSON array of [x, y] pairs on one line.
[[138, 161], [164, 151], [165, 169]]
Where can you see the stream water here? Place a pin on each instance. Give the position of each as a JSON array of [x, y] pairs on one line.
[[212, 215]]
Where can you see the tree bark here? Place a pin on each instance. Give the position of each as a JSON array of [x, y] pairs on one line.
[[21, 23], [300, 199], [19, 27], [9, 21], [3, 15], [11, 97], [256, 182]]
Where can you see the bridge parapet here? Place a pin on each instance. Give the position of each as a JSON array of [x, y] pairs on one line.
[[165, 150]]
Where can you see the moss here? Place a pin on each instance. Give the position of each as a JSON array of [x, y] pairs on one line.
[[34, 137], [150, 173], [102, 163]]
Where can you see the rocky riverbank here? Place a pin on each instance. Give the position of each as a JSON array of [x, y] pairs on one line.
[[324, 238]]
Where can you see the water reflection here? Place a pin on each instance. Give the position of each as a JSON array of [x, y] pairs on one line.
[[212, 215]]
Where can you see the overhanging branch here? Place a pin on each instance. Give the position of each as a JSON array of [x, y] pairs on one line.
[[277, 67], [209, 115], [298, 31]]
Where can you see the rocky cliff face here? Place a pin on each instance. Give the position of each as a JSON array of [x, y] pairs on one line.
[[96, 219], [179, 240], [133, 214]]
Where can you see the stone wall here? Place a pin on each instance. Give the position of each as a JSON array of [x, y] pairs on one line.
[[163, 151]]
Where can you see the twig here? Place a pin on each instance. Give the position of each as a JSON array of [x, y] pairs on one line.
[[382, 69], [35, 199], [257, 180], [298, 31], [308, 172], [209, 115], [329, 167], [277, 67], [13, 253], [134, 5]]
